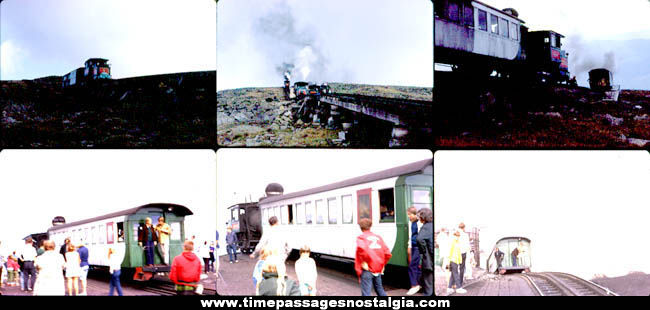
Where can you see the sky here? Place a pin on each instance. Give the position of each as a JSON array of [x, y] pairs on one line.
[[46, 37], [37, 185], [586, 212], [244, 173], [599, 33], [379, 42]]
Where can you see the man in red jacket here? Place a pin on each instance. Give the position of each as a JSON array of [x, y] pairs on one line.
[[186, 270], [371, 258]]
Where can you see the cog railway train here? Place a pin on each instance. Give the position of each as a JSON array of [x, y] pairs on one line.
[[326, 217], [94, 69], [119, 230], [476, 38]]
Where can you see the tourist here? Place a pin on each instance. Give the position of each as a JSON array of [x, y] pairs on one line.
[[257, 271], [306, 272], [50, 279], [455, 259], [72, 269], [212, 256], [147, 236], [205, 254], [164, 231], [28, 256], [464, 249], [424, 243], [274, 240], [275, 281], [371, 257], [413, 252], [231, 245], [83, 275], [13, 271], [64, 247], [114, 268], [186, 270], [499, 257]]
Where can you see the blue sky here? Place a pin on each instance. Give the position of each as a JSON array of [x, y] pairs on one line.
[[381, 42], [47, 37], [594, 28]]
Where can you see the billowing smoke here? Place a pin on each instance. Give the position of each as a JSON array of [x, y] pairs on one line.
[[292, 50], [585, 58]]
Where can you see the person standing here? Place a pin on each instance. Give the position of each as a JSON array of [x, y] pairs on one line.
[[424, 242], [147, 237], [273, 240], [13, 271], [50, 279], [413, 252], [64, 247], [217, 253], [464, 249], [205, 254], [306, 272], [72, 269], [499, 257], [275, 281], [257, 271], [231, 245], [515, 254], [186, 270], [83, 276], [444, 246], [212, 257], [114, 267], [371, 257], [455, 259], [40, 250], [164, 231], [2, 264], [28, 256]]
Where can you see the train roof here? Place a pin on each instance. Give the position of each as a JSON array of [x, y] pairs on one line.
[[177, 209], [384, 174], [501, 11]]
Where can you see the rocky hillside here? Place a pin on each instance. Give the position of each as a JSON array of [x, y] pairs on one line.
[[161, 111], [261, 116], [557, 117]]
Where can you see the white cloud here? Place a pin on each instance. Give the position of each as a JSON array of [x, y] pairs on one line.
[[11, 60]]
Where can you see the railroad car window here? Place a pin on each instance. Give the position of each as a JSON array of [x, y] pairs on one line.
[[110, 233], [309, 212], [176, 230], [558, 42], [276, 212], [102, 234], [93, 232], [283, 214], [300, 213], [346, 202], [421, 198], [469, 15], [364, 205], [291, 209], [320, 212], [332, 207], [120, 232], [386, 206], [86, 235], [136, 226], [494, 24], [504, 27], [453, 11], [513, 31], [482, 20]]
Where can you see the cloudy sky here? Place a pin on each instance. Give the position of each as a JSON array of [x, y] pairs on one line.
[[382, 42], [37, 185], [244, 173], [586, 212], [594, 29], [47, 37]]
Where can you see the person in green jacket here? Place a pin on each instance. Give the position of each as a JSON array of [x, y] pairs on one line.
[[275, 282]]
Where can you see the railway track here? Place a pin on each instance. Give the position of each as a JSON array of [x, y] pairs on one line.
[[166, 288], [563, 284]]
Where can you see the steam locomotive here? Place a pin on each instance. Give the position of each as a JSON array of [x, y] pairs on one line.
[[94, 69], [475, 38]]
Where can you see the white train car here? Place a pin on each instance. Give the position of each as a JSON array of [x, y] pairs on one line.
[[326, 217]]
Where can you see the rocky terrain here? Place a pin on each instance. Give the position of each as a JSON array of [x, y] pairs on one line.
[[163, 111], [557, 117], [261, 116], [632, 284]]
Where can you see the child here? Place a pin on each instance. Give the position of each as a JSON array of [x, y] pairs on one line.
[[306, 272], [13, 270], [257, 271]]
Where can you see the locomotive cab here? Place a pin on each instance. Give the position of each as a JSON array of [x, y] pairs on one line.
[[544, 51], [245, 222], [97, 68]]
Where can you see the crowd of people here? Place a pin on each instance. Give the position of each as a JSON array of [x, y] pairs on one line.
[[270, 276], [457, 257], [46, 271]]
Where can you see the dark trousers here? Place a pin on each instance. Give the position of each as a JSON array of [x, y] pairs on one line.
[[115, 283], [212, 261], [514, 260], [29, 275], [454, 275], [232, 250], [427, 282], [461, 276], [148, 251], [368, 281], [206, 264], [414, 266]]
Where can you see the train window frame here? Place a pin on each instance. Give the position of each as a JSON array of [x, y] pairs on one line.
[[392, 201], [513, 31], [291, 218], [120, 232], [343, 208], [320, 211], [300, 216], [176, 231], [93, 232], [451, 15], [136, 231], [494, 26], [468, 15], [110, 233], [364, 192], [504, 24], [86, 236], [309, 210], [483, 26], [102, 234], [283, 214], [419, 204], [331, 212]]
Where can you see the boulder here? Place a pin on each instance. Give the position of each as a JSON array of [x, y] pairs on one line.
[[638, 142], [611, 120]]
